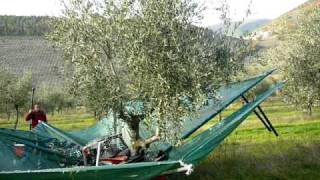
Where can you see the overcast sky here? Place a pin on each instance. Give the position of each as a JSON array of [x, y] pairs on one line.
[[261, 9]]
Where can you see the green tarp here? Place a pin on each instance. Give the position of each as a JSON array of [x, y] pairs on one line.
[[227, 94], [40, 155], [200, 146], [143, 170]]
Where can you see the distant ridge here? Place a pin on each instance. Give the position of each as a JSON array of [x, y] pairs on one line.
[[270, 34], [24, 25], [244, 28], [289, 19]]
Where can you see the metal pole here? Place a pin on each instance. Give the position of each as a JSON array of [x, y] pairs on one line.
[[17, 116], [258, 115], [266, 118], [98, 153], [32, 96]]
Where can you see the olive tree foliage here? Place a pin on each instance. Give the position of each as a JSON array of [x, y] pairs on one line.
[[298, 58], [14, 92], [54, 99], [145, 51], [5, 80]]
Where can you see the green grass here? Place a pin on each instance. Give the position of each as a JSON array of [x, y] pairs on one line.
[[71, 120], [282, 159], [250, 152]]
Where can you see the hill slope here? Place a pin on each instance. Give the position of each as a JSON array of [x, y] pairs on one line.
[[34, 54], [244, 28], [289, 19], [269, 34]]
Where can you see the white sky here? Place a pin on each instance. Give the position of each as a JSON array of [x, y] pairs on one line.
[[261, 9]]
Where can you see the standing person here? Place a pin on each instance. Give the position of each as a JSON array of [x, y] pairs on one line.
[[36, 115]]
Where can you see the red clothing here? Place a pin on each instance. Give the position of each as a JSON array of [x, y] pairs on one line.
[[36, 116]]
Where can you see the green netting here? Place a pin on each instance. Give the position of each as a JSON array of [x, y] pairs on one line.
[[49, 147], [38, 155], [53, 132], [102, 128], [227, 94], [143, 170], [201, 145]]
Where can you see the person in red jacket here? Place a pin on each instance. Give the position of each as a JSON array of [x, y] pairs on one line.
[[36, 115]]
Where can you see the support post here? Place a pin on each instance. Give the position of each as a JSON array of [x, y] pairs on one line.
[[257, 114], [17, 116], [267, 119], [263, 119]]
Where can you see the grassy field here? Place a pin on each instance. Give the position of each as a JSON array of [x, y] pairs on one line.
[[70, 120], [251, 152]]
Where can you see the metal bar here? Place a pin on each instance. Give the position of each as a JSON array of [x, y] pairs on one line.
[[32, 97], [258, 115], [266, 118], [98, 153], [175, 171], [17, 116]]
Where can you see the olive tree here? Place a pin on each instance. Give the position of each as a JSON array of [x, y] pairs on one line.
[[146, 53], [5, 80], [14, 92], [54, 99], [298, 56]]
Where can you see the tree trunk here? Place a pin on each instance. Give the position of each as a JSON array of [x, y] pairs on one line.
[[95, 115], [17, 117], [137, 142], [8, 115], [115, 122], [310, 110], [135, 137]]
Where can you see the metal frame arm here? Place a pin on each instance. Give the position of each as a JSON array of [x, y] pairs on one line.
[[264, 119]]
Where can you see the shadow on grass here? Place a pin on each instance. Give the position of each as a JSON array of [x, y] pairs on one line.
[[273, 160]]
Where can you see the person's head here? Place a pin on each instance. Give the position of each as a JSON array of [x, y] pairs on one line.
[[37, 107]]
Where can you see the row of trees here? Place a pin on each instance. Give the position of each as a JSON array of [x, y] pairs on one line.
[[15, 96], [298, 58], [23, 25], [55, 99]]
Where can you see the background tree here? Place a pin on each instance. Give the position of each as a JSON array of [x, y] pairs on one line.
[[298, 57], [148, 54], [23, 25], [5, 80], [54, 99], [15, 92]]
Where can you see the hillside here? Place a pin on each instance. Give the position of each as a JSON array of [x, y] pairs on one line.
[[24, 49], [289, 19], [251, 26], [269, 34], [244, 28], [33, 54]]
